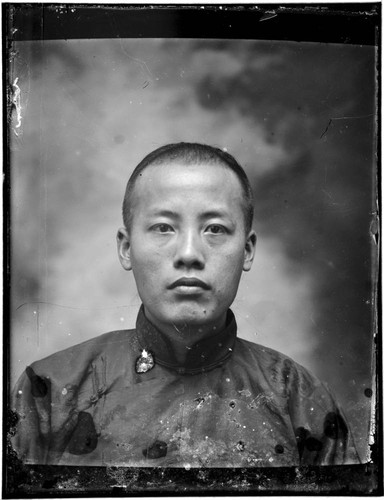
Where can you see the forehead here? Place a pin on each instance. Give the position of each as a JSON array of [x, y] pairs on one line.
[[191, 179]]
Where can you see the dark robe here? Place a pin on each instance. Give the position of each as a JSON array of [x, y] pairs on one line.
[[124, 399]]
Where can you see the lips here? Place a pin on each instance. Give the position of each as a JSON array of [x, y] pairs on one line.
[[189, 282]]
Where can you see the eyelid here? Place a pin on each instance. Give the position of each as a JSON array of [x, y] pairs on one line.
[[156, 227], [221, 226]]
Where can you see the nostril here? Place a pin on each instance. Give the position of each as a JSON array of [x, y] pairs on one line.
[[183, 263]]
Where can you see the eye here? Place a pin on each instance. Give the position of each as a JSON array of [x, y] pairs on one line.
[[163, 228], [216, 229]]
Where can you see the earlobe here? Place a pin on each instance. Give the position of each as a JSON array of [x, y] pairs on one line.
[[249, 250], [124, 248]]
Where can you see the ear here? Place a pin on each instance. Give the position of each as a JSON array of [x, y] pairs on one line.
[[124, 248], [249, 250]]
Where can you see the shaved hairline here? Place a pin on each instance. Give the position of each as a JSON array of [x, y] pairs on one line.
[[189, 154]]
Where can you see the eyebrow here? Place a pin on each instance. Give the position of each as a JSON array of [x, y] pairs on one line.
[[165, 213], [210, 214]]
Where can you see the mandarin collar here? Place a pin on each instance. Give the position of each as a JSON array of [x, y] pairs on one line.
[[201, 356]]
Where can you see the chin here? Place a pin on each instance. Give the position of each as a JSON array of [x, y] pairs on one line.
[[193, 315]]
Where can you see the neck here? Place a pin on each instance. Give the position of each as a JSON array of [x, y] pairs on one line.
[[185, 335], [187, 349]]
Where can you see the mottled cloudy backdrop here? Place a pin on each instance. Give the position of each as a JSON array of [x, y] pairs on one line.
[[300, 118]]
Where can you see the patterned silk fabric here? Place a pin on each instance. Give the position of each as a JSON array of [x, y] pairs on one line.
[[126, 398]]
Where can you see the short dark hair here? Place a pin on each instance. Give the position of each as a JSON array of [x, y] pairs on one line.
[[190, 154]]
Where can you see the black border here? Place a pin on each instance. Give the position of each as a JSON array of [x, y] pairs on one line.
[[336, 23], [329, 23], [46, 481]]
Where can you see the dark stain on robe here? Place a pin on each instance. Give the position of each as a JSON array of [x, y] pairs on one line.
[[156, 450], [39, 386], [334, 426], [84, 436]]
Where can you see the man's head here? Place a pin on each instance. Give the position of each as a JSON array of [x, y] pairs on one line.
[[190, 154], [187, 235]]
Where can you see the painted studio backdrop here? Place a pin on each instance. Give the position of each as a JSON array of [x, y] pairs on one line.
[[300, 118]]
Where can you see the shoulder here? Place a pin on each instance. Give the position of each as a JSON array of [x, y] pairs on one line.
[[78, 358], [269, 357], [95, 345], [280, 371]]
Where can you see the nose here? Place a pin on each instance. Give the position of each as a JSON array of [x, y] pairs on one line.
[[189, 251]]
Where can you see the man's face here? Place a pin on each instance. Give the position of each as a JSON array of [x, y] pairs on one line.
[[187, 244]]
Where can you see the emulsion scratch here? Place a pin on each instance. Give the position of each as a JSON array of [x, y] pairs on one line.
[[178, 331], [37, 314], [331, 120], [143, 65], [98, 308], [327, 194], [374, 228], [16, 101], [312, 320], [267, 16]]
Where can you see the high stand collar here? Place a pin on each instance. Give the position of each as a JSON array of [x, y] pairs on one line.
[[204, 355]]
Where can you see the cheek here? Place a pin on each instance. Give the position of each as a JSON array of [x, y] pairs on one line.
[[232, 262], [229, 272], [147, 268]]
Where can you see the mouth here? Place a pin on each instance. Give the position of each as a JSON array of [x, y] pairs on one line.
[[188, 284]]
